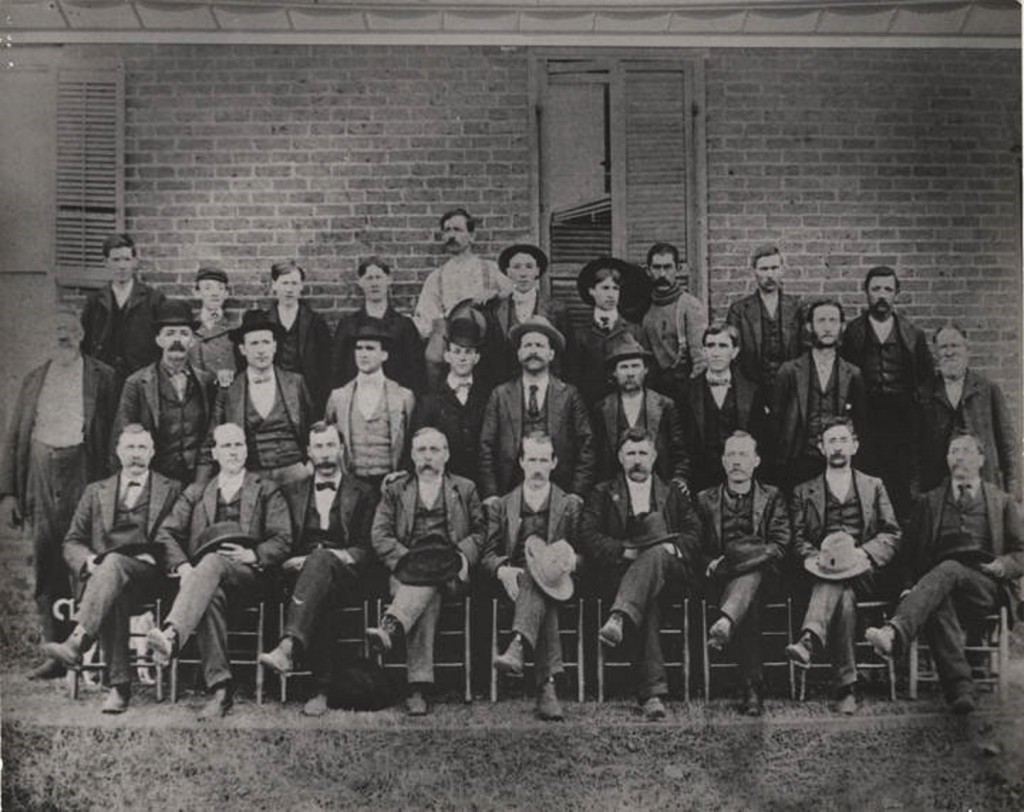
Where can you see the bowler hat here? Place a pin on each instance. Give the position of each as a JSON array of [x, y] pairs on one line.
[[623, 347], [432, 560], [253, 321], [465, 332], [505, 257], [837, 560], [211, 272], [551, 566], [634, 285], [127, 538], [538, 324], [174, 313], [654, 531], [466, 311], [218, 534], [374, 330], [742, 556]]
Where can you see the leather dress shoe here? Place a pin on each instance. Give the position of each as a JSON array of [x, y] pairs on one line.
[[163, 643], [548, 707], [278, 659], [719, 634], [611, 631], [881, 638], [317, 706], [382, 638], [964, 703], [69, 652], [48, 669], [219, 705], [802, 651], [848, 704], [416, 704], [653, 709], [753, 701], [511, 662], [117, 700]]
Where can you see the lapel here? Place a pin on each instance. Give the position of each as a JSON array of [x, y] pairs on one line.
[[972, 386], [343, 419], [660, 492], [34, 385], [866, 499], [503, 313], [90, 383], [210, 501], [652, 410], [760, 506], [556, 509], [752, 313], [396, 422], [408, 512], [816, 496], [108, 500], [843, 375], [151, 391], [239, 396], [305, 320], [714, 504], [514, 508], [347, 497], [904, 331], [452, 507], [744, 396], [804, 370], [513, 397], [699, 390], [135, 297], [937, 499], [158, 488], [289, 396], [302, 508], [247, 509], [620, 500], [995, 516], [204, 392], [788, 308], [609, 414], [557, 395]]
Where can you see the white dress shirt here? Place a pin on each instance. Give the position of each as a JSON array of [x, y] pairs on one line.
[[536, 497], [130, 495], [542, 390], [325, 497], [369, 391], [840, 482], [460, 386], [229, 484], [262, 391], [525, 304], [429, 491], [882, 329], [122, 292], [606, 319], [631, 406], [640, 495]]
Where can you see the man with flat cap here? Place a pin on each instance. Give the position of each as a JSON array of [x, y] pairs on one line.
[[222, 539], [109, 548], [536, 400], [372, 412], [271, 404], [642, 538], [332, 512], [535, 512], [213, 349], [429, 508], [172, 398], [745, 539]]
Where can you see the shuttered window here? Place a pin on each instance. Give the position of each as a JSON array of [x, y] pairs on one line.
[[90, 169]]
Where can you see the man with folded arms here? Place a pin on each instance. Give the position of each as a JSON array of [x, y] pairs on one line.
[[250, 515], [427, 505], [331, 517], [845, 532], [965, 549], [109, 549], [642, 537], [536, 510], [746, 535]]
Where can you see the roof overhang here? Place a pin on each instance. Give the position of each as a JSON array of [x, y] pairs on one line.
[[684, 23]]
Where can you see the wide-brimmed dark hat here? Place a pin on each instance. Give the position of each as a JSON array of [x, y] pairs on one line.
[[634, 285], [743, 556], [505, 257], [219, 533], [128, 538], [837, 560], [374, 330], [960, 547], [623, 347], [654, 530], [253, 321], [432, 560], [538, 324], [551, 566], [174, 313], [211, 272]]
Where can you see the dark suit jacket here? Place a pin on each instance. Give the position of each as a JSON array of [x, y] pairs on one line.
[[504, 520], [603, 523], [99, 400], [264, 516], [139, 347], [586, 349], [881, 536], [771, 522], [792, 387], [356, 503], [857, 342], [140, 403], [314, 354], [460, 423], [94, 516], [393, 522], [568, 425], [985, 416], [1004, 521], [503, 355], [663, 424], [405, 364], [745, 315]]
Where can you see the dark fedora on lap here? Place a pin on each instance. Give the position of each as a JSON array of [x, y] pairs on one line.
[[219, 534]]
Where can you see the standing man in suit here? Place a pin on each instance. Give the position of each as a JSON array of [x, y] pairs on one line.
[[272, 405], [843, 502], [405, 360], [894, 361], [213, 349], [233, 572], [118, 319], [642, 538], [965, 550], [536, 401], [332, 512], [812, 389], [412, 508], [304, 342], [534, 508], [57, 441], [372, 412], [109, 547], [171, 398], [768, 320]]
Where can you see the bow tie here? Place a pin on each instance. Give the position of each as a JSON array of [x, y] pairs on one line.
[[463, 387], [133, 485], [328, 485], [718, 380], [261, 378]]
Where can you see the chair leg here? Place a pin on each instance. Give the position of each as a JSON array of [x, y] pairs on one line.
[[174, 680], [789, 640], [74, 674], [259, 651], [686, 650], [494, 649], [158, 612], [912, 670], [282, 679], [704, 648], [1004, 654], [466, 653], [580, 670], [600, 656]]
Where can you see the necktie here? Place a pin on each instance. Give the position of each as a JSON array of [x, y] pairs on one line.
[[179, 381], [328, 485], [131, 493], [965, 494], [532, 408], [605, 322]]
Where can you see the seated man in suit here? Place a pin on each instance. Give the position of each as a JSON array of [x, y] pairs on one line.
[[845, 533], [642, 538], [536, 508], [426, 504], [109, 549], [745, 537], [250, 514], [331, 516], [964, 550]]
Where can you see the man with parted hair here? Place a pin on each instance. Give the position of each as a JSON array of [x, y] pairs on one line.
[[213, 349], [110, 550]]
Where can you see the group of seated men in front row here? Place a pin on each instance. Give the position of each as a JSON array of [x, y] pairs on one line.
[[228, 478]]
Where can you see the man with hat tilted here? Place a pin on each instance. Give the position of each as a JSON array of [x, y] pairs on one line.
[[172, 398], [536, 400], [528, 531], [642, 537], [331, 516], [271, 404], [964, 556], [745, 537], [456, 405], [427, 531], [110, 551], [845, 533], [221, 539], [633, 405], [372, 412], [213, 349]]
